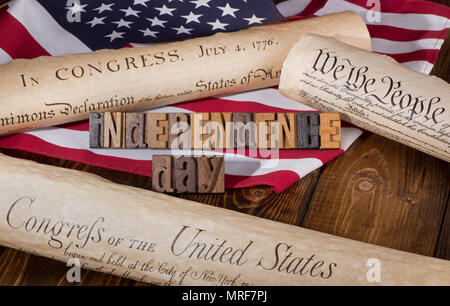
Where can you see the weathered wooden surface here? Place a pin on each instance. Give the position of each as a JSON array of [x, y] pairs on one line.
[[379, 192]]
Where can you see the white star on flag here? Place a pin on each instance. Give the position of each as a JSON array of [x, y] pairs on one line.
[[192, 17], [157, 22], [129, 11], [76, 8], [104, 7], [115, 35], [182, 30], [141, 2], [254, 19], [218, 25], [200, 3], [148, 32], [164, 10], [123, 23], [96, 21], [228, 10]]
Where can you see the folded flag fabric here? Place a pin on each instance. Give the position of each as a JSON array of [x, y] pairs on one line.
[[410, 31]]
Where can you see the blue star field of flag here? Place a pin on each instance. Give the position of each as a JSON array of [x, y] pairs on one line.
[[113, 24]]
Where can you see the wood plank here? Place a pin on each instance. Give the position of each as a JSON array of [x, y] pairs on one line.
[[443, 247], [384, 193]]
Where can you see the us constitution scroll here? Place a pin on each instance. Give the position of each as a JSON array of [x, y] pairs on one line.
[[372, 91], [53, 90], [152, 237]]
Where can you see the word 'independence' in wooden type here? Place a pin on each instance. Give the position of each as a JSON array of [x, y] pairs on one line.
[[305, 130], [188, 174]]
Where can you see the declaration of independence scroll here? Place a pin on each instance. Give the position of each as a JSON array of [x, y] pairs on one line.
[[53, 90], [372, 91], [152, 237]]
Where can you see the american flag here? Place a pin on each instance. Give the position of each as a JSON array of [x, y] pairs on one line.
[[411, 31]]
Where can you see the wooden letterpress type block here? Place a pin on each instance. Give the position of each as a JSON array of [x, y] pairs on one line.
[[308, 130], [330, 131], [268, 130], [287, 127], [134, 130], [211, 174], [180, 131], [157, 130], [113, 130], [244, 130], [185, 174], [162, 173], [221, 130], [96, 130], [200, 131]]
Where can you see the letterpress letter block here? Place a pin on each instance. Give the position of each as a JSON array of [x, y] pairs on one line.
[[96, 130], [330, 131], [244, 131], [308, 130], [113, 130], [221, 130], [180, 131], [268, 130], [211, 174], [162, 173], [185, 174], [134, 132], [200, 132], [287, 127], [157, 130]]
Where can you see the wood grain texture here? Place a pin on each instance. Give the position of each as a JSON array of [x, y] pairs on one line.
[[383, 193]]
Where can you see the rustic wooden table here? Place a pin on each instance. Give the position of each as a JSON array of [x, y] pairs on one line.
[[379, 191]]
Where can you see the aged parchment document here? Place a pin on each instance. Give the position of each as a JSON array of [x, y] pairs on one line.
[[372, 91], [152, 237], [53, 90]]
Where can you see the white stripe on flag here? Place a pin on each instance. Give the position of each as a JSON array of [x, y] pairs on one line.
[[398, 47], [4, 57], [269, 97], [292, 7], [45, 30], [427, 22], [421, 66]]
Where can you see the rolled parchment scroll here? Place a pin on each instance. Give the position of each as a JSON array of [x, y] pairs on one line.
[[152, 237], [53, 90], [372, 91]]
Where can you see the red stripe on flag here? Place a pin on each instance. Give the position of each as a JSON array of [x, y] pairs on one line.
[[313, 7], [400, 34], [419, 55], [15, 39]]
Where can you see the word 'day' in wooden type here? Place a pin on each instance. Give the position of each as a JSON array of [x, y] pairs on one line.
[[211, 174], [162, 173], [188, 174], [185, 174], [308, 131], [113, 130], [96, 130], [330, 131]]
